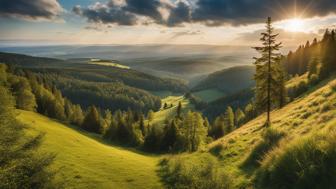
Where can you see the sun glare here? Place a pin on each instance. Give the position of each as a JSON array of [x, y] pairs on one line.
[[294, 25]]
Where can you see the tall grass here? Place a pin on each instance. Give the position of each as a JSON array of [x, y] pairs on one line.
[[181, 174], [270, 139], [307, 163]]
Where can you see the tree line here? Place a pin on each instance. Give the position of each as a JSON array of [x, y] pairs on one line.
[[20, 165]]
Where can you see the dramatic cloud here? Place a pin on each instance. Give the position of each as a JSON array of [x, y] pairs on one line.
[[208, 12], [217, 12], [148, 8], [30, 9], [286, 37], [106, 14], [179, 14]]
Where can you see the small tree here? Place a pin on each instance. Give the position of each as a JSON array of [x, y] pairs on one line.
[[193, 131], [170, 137], [179, 110], [229, 119], [239, 117]]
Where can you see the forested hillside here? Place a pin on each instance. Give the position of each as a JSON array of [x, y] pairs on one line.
[[105, 87], [229, 80]]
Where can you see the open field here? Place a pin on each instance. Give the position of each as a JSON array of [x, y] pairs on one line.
[[161, 115], [83, 161], [108, 63]]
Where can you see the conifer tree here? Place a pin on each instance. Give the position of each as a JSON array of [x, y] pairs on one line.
[[229, 119], [193, 131], [218, 127], [142, 125], [265, 77], [170, 136], [179, 110], [239, 117], [91, 121]]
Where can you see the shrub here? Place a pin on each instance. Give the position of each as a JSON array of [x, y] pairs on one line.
[[308, 163], [180, 174], [270, 139], [216, 150]]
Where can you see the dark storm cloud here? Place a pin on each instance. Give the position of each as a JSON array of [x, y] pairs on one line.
[[144, 7], [217, 12], [106, 14], [179, 14], [208, 12], [30, 9]]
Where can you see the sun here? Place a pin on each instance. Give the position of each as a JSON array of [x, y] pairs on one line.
[[294, 25]]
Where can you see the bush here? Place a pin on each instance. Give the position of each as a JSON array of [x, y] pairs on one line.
[[180, 174], [270, 139], [308, 163]]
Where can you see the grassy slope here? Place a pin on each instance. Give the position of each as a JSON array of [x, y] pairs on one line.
[[84, 162], [161, 115], [305, 116]]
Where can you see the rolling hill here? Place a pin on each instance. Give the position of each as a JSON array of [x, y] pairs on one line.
[[228, 80], [85, 161], [107, 87], [225, 82]]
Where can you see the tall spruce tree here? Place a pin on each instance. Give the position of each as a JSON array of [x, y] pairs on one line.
[[265, 77]]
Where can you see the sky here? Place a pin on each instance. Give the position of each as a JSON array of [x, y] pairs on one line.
[[212, 22]]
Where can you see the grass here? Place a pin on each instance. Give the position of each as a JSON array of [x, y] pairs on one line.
[[306, 163], [83, 161], [198, 173], [161, 115], [209, 95]]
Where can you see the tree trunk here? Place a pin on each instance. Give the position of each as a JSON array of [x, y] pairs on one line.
[[268, 122]]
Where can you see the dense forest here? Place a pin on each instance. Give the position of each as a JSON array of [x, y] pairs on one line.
[[103, 86]]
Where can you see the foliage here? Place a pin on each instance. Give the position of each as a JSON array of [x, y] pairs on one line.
[[91, 121], [178, 174], [20, 166], [270, 139], [308, 163]]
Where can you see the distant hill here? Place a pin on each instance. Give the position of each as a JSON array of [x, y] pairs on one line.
[[107, 87], [229, 80], [28, 61]]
